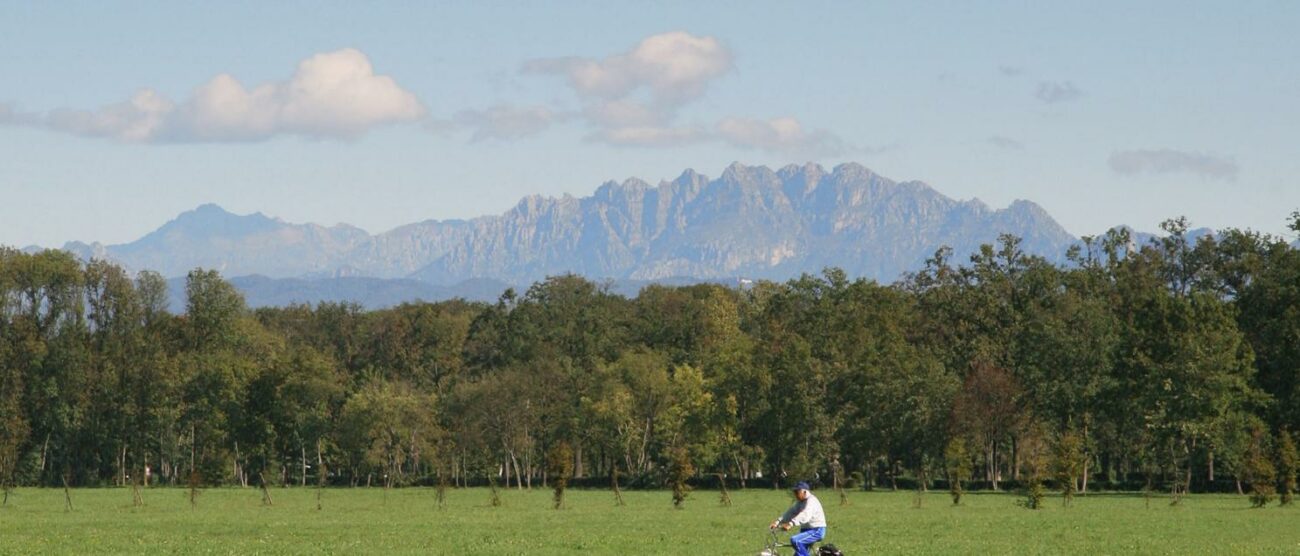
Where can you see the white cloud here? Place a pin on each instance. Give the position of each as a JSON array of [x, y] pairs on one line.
[[1168, 161], [784, 135], [141, 118], [1053, 92], [632, 98], [673, 67], [334, 94]]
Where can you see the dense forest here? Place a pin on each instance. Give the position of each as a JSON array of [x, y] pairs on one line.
[[1172, 365]]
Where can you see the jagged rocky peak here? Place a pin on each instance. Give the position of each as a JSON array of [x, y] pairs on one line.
[[750, 221], [612, 190], [689, 175], [740, 173], [210, 217], [801, 181], [1028, 208], [974, 204], [688, 183], [852, 170], [809, 171]]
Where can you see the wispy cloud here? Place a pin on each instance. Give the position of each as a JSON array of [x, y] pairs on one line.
[[1053, 92], [650, 136], [508, 122], [784, 135], [1169, 161], [11, 116], [633, 98], [1005, 143], [330, 95]]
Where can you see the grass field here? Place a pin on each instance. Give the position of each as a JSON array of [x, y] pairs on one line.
[[234, 521]]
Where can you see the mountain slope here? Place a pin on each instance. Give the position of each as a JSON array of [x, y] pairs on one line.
[[751, 221]]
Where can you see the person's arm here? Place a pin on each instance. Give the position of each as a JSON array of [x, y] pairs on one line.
[[800, 517], [796, 510]]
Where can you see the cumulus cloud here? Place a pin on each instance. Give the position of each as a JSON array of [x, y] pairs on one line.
[[1169, 161], [1053, 92], [784, 134], [1006, 143], [673, 67], [334, 94], [508, 122], [141, 118], [633, 98]]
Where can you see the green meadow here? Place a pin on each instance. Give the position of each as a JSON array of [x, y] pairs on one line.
[[410, 520]]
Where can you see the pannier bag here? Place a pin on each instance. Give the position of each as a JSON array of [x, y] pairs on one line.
[[829, 550]]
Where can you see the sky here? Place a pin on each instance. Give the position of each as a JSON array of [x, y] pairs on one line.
[[116, 117]]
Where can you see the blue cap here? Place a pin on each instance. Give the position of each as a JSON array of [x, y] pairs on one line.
[[801, 485]]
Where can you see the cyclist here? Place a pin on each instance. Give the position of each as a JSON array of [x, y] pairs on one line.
[[806, 514]]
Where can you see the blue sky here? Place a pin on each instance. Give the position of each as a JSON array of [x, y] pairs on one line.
[[115, 117]]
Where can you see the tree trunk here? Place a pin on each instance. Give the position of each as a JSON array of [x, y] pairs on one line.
[[44, 450], [993, 464], [1087, 461], [515, 461], [1015, 459]]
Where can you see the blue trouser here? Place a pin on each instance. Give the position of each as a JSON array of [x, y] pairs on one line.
[[805, 539]]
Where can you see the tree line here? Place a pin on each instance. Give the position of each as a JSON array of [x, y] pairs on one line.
[[1173, 365]]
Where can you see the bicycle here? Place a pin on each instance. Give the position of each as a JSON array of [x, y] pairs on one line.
[[772, 543]]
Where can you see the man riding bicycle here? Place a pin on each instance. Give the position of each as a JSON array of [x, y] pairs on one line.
[[807, 514]]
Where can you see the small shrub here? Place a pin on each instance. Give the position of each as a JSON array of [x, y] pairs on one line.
[[957, 458], [1068, 464], [1287, 461], [679, 470], [559, 465], [1033, 446], [856, 480], [1259, 470]]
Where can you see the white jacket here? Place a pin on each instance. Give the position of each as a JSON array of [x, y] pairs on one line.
[[805, 513]]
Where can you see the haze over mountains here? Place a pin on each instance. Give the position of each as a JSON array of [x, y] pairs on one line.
[[750, 222]]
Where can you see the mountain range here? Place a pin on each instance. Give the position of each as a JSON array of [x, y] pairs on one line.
[[750, 222]]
